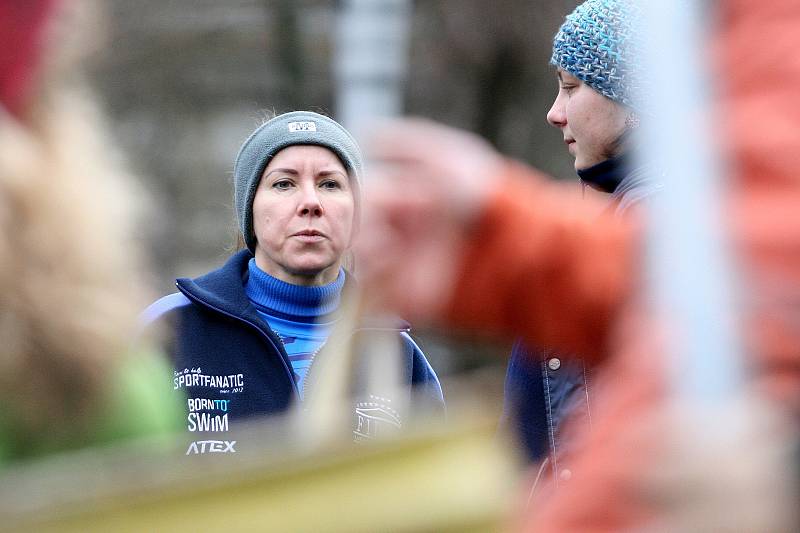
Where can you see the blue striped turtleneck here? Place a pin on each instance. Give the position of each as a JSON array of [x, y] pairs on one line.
[[301, 316]]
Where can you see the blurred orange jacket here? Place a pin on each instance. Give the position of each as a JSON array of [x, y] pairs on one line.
[[541, 265]]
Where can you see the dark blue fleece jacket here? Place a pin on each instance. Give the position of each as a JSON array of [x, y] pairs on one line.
[[229, 362]]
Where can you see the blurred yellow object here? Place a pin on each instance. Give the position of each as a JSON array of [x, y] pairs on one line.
[[455, 478]]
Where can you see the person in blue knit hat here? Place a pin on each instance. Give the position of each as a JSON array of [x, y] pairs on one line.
[[600, 90], [601, 86], [246, 336]]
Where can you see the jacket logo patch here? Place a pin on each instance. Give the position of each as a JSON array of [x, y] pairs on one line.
[[375, 418], [302, 126]]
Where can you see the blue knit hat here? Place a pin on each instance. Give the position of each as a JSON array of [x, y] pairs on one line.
[[598, 43], [289, 129]]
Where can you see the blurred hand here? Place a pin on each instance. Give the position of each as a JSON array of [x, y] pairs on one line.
[[426, 185]]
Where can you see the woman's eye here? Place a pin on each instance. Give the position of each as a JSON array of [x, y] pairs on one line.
[[282, 185], [568, 88], [330, 184]]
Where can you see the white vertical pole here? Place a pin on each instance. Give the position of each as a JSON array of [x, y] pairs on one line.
[[371, 60], [689, 264]]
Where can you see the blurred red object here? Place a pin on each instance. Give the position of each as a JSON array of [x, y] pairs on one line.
[[22, 25]]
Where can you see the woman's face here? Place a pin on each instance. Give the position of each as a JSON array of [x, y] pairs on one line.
[[591, 123], [303, 216]]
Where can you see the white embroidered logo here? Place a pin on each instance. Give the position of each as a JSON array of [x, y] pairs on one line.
[[375, 417], [302, 126], [211, 446]]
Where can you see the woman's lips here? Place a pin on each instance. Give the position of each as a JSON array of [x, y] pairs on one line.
[[309, 236]]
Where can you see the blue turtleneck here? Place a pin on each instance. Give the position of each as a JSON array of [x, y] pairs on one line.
[[301, 316]]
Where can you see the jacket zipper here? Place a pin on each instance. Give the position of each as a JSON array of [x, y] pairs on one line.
[[289, 373], [310, 366]]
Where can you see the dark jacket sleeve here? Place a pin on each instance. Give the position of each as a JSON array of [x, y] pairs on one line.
[[425, 383]]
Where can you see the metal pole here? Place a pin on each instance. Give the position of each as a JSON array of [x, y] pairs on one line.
[[371, 60]]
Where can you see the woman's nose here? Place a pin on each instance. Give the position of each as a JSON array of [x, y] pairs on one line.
[[556, 116], [310, 203]]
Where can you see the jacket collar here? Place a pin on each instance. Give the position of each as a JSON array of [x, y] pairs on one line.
[[223, 290], [606, 175]]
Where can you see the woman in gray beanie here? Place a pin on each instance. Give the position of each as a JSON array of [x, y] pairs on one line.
[[247, 335]]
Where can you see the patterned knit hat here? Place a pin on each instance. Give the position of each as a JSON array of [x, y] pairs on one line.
[[289, 129], [598, 43]]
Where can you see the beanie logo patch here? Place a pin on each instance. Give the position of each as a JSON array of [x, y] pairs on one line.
[[302, 126]]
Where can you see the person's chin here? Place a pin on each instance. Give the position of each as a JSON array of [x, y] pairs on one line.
[[582, 164], [311, 268]]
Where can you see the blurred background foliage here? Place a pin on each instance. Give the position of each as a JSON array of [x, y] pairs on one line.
[[185, 81]]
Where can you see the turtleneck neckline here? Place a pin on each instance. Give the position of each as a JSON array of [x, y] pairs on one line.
[[606, 175], [289, 299]]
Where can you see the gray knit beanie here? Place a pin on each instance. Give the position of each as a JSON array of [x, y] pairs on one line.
[[297, 127], [599, 43]]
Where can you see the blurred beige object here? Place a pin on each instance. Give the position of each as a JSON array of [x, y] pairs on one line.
[[321, 417], [461, 478], [726, 470], [73, 274]]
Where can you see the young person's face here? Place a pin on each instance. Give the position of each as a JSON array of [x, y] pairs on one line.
[[591, 123], [303, 215]]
